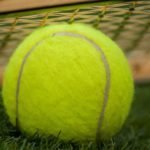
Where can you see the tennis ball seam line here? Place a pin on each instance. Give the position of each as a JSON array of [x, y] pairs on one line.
[[19, 80], [106, 66], [107, 70]]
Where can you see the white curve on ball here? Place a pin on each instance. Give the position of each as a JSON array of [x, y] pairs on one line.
[[106, 66]]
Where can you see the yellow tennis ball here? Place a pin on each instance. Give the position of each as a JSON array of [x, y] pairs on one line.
[[70, 79]]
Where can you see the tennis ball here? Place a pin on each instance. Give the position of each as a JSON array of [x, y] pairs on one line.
[[68, 79]]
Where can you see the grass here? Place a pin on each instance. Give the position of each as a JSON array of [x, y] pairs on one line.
[[135, 134]]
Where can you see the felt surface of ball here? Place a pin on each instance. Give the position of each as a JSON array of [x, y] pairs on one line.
[[70, 79]]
